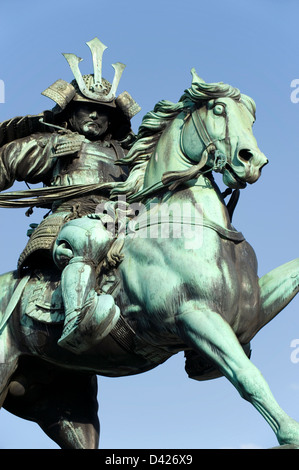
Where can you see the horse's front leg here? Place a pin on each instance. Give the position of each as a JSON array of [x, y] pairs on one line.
[[278, 288], [206, 331]]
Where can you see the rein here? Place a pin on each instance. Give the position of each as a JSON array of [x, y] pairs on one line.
[[228, 234], [173, 179], [220, 159]]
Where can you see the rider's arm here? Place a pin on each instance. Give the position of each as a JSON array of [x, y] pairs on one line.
[[29, 159]]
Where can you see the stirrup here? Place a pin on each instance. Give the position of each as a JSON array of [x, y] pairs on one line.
[[93, 324]]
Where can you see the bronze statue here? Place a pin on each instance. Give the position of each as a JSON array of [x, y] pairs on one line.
[[95, 296], [91, 131]]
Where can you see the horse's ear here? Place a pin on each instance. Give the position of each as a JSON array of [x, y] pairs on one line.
[[195, 77]]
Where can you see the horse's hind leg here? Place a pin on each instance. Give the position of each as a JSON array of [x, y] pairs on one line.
[[8, 363], [206, 331], [6, 371], [64, 405], [70, 417]]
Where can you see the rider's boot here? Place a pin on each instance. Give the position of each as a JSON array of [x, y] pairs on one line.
[[89, 317]]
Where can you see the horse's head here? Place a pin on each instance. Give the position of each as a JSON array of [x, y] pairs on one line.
[[210, 128], [224, 126]]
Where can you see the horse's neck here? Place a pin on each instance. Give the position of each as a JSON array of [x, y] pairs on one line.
[[203, 195], [168, 155]]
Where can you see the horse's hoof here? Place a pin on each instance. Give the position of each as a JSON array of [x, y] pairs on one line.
[[286, 446]]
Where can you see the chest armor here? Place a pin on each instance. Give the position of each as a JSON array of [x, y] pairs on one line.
[[92, 164]]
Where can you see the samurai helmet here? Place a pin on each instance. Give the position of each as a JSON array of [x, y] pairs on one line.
[[92, 88]]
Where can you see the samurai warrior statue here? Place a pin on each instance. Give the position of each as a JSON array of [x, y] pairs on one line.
[[72, 150]]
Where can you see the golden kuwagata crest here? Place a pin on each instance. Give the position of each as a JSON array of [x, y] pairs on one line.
[[93, 87]]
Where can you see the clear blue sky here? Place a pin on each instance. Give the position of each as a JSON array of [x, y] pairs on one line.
[[250, 44]]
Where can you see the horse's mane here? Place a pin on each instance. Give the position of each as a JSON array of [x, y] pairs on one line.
[[154, 123]]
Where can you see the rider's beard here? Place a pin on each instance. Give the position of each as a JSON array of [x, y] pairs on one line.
[[92, 129]]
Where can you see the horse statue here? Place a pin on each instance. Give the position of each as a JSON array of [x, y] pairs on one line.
[[187, 280]]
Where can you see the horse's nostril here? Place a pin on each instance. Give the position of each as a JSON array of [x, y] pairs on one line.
[[245, 154]]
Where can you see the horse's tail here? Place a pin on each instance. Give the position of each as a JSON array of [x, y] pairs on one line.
[[18, 288], [10, 294]]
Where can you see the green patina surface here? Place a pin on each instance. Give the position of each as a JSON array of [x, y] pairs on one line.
[[138, 258]]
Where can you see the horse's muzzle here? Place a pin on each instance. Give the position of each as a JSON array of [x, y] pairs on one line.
[[253, 161]]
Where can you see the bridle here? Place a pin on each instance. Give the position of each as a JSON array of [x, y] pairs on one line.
[[172, 180], [220, 159]]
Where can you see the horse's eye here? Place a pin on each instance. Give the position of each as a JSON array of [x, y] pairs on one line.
[[219, 109]]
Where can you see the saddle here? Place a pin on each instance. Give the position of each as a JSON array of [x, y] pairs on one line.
[[43, 301]]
